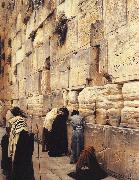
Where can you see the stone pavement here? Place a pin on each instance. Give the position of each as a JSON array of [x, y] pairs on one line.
[[51, 168]]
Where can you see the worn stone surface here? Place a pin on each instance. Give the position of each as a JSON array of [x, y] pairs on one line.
[[95, 70]]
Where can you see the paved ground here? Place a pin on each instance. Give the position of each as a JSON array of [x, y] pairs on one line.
[[49, 168]]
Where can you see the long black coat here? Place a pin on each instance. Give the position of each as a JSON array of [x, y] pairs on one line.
[[6, 162], [58, 143], [22, 164]]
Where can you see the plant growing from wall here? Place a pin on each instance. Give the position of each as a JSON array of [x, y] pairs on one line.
[[61, 29], [37, 3]]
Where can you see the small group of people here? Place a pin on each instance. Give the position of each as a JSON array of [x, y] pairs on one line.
[[18, 142], [55, 139], [17, 147]]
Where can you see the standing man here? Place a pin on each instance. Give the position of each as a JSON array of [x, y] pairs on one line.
[[77, 140]]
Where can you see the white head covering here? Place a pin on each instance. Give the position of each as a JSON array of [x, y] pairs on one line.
[[49, 119]]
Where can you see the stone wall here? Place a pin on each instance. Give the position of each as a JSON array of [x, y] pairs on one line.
[[82, 54]]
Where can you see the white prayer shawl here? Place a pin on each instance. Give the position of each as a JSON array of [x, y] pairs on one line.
[[49, 119], [17, 125]]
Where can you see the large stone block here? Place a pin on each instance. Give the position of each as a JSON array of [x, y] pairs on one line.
[[123, 54], [59, 70], [90, 11], [132, 10], [115, 14], [80, 64], [70, 44], [28, 47], [20, 54], [19, 23], [130, 112], [30, 25], [38, 41], [45, 82], [57, 99]]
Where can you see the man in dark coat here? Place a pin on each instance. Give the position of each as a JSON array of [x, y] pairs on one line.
[[6, 162], [22, 164], [21, 146]]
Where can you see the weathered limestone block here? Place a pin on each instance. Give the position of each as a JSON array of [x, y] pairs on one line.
[[37, 83], [20, 54], [28, 47], [87, 96], [59, 70], [114, 116], [115, 14], [49, 26], [42, 14], [65, 97], [23, 103], [90, 119], [97, 33], [63, 69], [70, 44], [22, 88], [47, 103], [125, 154], [15, 91], [17, 42], [54, 80], [19, 23], [133, 103], [133, 10], [72, 107], [29, 85], [73, 100], [106, 102], [109, 104], [80, 64], [90, 11], [130, 112], [45, 82], [101, 116], [57, 99], [130, 91], [123, 54], [41, 56], [30, 25], [35, 61], [130, 117], [73, 97], [38, 41], [87, 113]]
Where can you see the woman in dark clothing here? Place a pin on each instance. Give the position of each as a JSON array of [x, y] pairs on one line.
[[64, 137], [87, 167], [58, 144]]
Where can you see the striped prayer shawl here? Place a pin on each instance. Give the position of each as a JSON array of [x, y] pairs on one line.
[[18, 124]]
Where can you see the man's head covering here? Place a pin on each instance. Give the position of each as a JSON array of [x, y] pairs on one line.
[[18, 124], [16, 111], [75, 112]]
